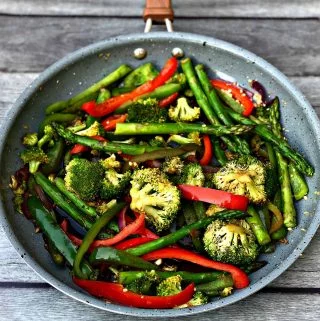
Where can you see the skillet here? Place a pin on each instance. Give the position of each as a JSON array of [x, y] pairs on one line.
[[78, 70]]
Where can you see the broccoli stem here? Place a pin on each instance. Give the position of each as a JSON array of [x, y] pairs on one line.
[[178, 128], [80, 204], [107, 147], [262, 130], [173, 237], [58, 198], [127, 277], [215, 287], [106, 81], [218, 107], [257, 226]]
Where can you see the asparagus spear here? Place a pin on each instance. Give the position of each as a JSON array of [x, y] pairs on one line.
[[106, 81], [178, 128], [203, 102], [303, 165], [218, 107]]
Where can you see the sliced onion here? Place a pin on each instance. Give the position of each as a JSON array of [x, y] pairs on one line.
[[153, 163], [210, 169], [43, 198], [257, 86], [22, 174]]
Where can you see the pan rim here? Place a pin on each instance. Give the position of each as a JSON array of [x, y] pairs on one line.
[[189, 37]]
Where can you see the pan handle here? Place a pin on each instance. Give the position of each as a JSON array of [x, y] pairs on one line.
[[158, 11]]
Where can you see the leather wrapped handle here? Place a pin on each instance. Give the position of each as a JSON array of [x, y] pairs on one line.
[[158, 10]]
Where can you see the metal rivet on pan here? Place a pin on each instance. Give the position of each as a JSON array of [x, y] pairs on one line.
[[177, 52], [140, 53]]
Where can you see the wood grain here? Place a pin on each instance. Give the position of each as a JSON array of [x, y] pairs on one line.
[[50, 304], [291, 45], [200, 8]]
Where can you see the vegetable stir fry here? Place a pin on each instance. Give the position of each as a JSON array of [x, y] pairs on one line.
[[161, 188]]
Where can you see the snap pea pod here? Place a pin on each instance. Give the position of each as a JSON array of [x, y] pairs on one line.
[[55, 156], [55, 235], [92, 234], [105, 82], [80, 204], [184, 231], [127, 277], [58, 198], [117, 257]]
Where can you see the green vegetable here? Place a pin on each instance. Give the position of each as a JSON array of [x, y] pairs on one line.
[[170, 286], [81, 205], [231, 242], [219, 153], [91, 235], [105, 82], [154, 195], [172, 165], [104, 95], [298, 183], [48, 133], [107, 147], [146, 111], [229, 101], [113, 256], [192, 138], [220, 287], [144, 283], [114, 184], [140, 75], [120, 90], [55, 157], [56, 236], [280, 234], [56, 118], [84, 178], [178, 128], [34, 156], [198, 299], [30, 139], [93, 130], [243, 176], [52, 191], [182, 232], [183, 112], [56, 256], [192, 174]]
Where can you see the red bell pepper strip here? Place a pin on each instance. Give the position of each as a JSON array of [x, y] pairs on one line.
[[110, 123], [209, 195], [168, 100], [110, 105], [143, 231], [74, 239], [78, 148], [127, 244], [130, 229], [240, 278], [115, 292], [237, 93], [207, 155]]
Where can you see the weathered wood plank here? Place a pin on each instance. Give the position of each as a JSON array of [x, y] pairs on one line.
[[183, 8], [293, 46], [49, 304], [303, 274]]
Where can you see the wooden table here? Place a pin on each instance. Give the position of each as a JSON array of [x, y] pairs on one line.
[[36, 33]]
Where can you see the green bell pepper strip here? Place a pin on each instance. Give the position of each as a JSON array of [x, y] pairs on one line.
[[80, 204], [55, 156], [92, 234], [113, 256], [58, 198], [56, 236]]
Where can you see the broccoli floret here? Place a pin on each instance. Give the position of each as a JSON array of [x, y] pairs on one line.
[[183, 112], [47, 137], [231, 242], [172, 165], [153, 194], [146, 111], [192, 174], [170, 286], [30, 139], [144, 284], [198, 298], [79, 125], [140, 75], [18, 188], [94, 130], [84, 178], [157, 141], [192, 138], [110, 162], [226, 291], [34, 156], [243, 176], [213, 209], [114, 183], [178, 78]]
